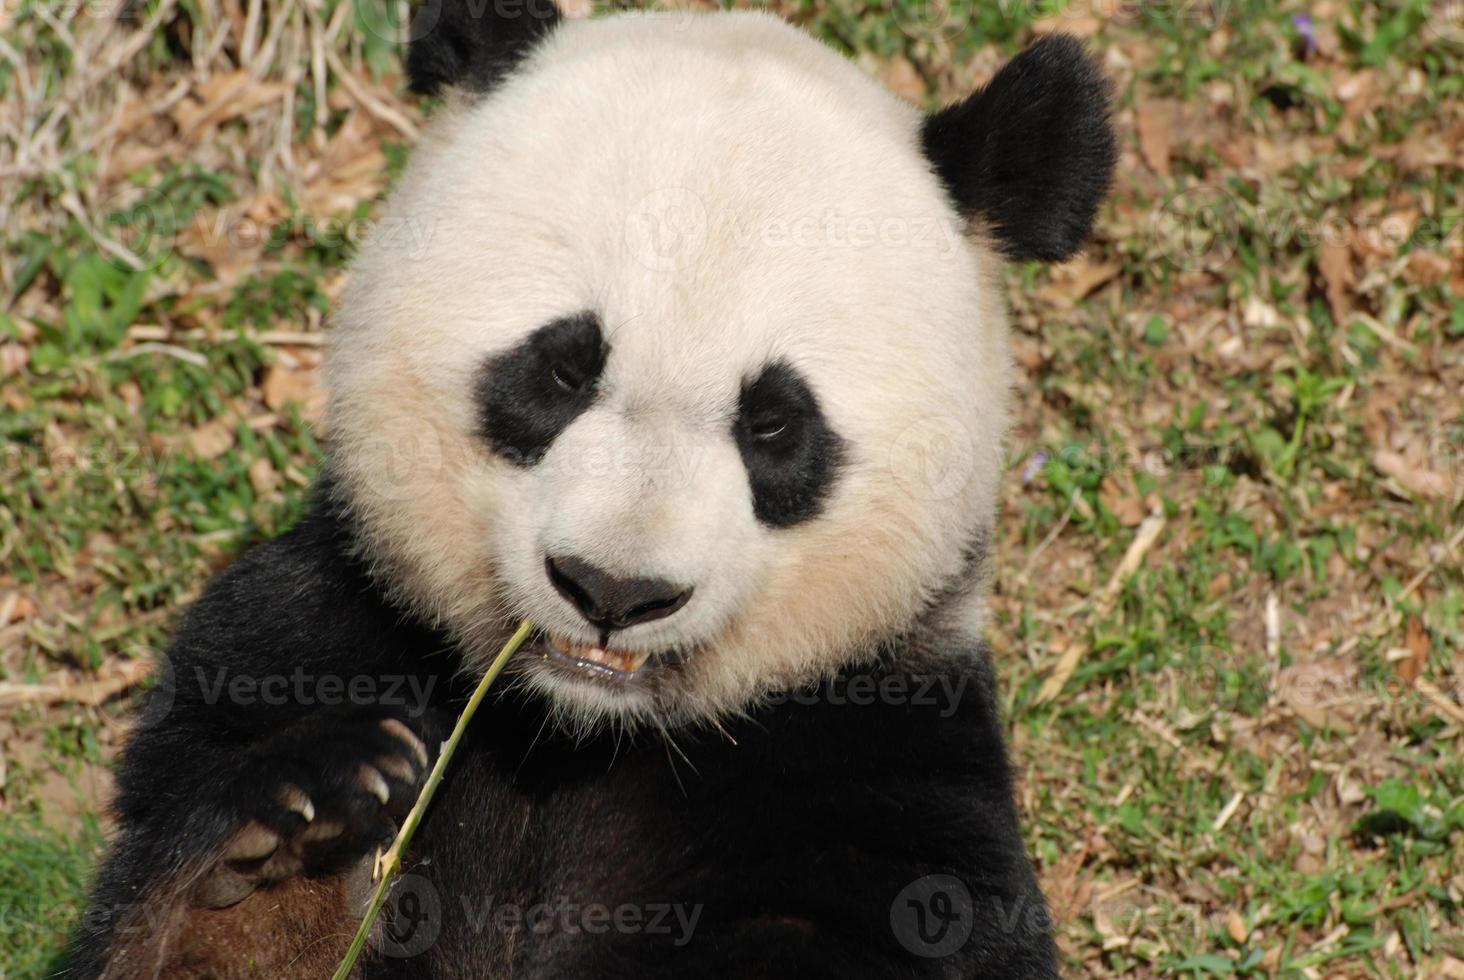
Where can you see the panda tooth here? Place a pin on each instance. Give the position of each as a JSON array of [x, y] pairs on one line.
[[633, 660], [628, 661]]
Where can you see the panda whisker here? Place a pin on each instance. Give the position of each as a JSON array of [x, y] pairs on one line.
[[533, 744], [716, 723], [669, 744], [611, 331]]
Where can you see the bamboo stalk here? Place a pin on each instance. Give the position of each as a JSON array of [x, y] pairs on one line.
[[389, 864]]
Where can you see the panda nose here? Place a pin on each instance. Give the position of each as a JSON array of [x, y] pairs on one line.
[[609, 601]]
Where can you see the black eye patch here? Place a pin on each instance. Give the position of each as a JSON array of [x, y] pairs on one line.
[[528, 395], [791, 454]]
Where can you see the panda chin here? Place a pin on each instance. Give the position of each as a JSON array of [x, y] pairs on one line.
[[600, 661]]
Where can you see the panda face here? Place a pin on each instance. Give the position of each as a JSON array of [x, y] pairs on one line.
[[674, 343]]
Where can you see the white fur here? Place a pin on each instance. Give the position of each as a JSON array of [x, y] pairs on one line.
[[721, 190]]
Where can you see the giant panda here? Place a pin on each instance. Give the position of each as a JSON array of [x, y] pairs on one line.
[[683, 339]]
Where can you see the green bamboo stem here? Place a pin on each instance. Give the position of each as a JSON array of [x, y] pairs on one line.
[[388, 864]]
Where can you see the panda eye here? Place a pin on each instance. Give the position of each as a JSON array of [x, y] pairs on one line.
[[568, 378], [768, 426]]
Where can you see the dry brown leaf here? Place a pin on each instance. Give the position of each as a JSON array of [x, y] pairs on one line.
[[229, 240], [262, 476], [282, 386], [14, 607], [1084, 26], [1427, 151], [266, 208], [1259, 314], [222, 97], [1427, 268], [1155, 121], [1414, 479], [1123, 500], [1334, 261], [1273, 158], [1356, 91], [901, 77], [1074, 280], [1410, 669], [13, 357], [212, 439], [1323, 693], [1028, 354], [1235, 926]]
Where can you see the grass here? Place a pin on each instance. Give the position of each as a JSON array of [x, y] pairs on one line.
[[43, 875], [1254, 769]]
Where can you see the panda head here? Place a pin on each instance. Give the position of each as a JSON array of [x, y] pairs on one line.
[[683, 338]]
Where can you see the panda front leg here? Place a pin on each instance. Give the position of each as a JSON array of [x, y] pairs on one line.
[[262, 865]]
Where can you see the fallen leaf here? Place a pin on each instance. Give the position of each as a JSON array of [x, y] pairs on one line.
[[900, 76], [222, 97], [1122, 500], [1356, 91], [262, 476], [1235, 927], [1323, 693], [1068, 22], [282, 386], [1259, 314], [1028, 354], [1427, 268], [1414, 479], [13, 357], [212, 439], [1074, 280], [1154, 121], [14, 607], [1411, 667], [229, 240]]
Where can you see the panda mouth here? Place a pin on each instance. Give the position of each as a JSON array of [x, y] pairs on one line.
[[600, 659]]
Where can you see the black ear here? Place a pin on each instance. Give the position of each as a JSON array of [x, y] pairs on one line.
[[473, 43], [1031, 155]]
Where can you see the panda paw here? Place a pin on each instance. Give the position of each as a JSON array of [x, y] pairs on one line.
[[314, 800]]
